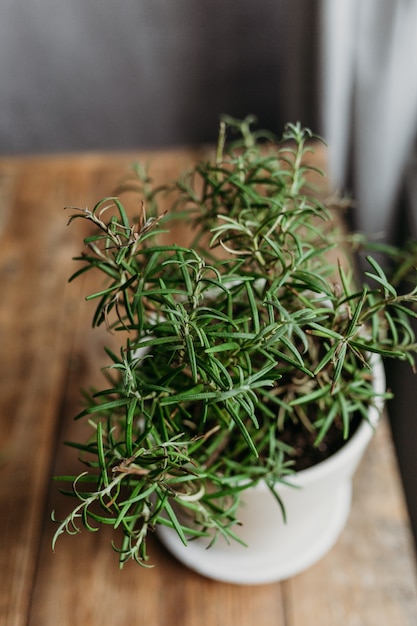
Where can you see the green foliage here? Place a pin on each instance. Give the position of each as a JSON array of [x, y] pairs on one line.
[[225, 344]]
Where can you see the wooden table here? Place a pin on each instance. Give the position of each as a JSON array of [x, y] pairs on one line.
[[48, 352]]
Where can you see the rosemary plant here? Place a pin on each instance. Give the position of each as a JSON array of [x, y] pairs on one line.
[[234, 351]]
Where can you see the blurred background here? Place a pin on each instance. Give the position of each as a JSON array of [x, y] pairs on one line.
[[100, 75]]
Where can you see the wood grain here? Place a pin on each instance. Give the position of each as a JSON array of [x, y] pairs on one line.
[[48, 353]]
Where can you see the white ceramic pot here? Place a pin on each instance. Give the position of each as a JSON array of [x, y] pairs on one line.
[[317, 507]]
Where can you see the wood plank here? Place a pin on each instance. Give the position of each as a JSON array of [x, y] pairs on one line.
[[49, 352], [33, 325]]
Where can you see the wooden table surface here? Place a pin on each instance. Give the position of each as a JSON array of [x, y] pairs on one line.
[[48, 353]]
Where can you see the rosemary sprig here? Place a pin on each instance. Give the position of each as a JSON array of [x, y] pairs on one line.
[[224, 344]]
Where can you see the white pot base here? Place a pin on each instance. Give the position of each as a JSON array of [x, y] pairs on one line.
[[268, 561]]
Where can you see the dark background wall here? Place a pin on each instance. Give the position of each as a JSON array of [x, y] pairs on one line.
[[400, 377], [77, 75]]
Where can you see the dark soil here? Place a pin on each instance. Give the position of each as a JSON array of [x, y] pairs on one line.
[[306, 454]]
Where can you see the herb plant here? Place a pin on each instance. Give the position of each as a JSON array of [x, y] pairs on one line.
[[237, 353]]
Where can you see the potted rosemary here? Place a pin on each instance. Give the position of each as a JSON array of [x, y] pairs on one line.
[[250, 364]]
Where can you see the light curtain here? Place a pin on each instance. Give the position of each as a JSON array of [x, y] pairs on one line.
[[369, 90]]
